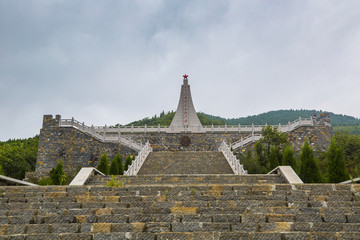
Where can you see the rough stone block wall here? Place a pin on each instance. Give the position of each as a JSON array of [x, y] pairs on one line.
[[73, 147], [199, 141], [319, 137], [77, 149]]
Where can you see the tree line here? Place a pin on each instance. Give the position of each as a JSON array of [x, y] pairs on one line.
[[164, 119], [117, 165]]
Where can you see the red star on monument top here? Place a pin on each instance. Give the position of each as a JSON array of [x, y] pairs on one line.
[[185, 76]]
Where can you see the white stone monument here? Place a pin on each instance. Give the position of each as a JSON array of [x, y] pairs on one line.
[[185, 119]]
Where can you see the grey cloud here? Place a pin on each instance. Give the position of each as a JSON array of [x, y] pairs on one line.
[[107, 62]]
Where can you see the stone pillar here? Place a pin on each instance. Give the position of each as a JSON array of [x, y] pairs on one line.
[[49, 121]]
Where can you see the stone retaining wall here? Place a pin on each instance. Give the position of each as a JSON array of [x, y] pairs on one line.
[[77, 149]]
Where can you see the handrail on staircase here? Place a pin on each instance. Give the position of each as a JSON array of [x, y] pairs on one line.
[[234, 163], [100, 133], [139, 160]]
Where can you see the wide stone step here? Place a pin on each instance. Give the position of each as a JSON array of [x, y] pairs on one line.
[[183, 162], [163, 231], [184, 179]]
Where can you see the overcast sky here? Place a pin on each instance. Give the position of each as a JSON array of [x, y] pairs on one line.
[[107, 62]]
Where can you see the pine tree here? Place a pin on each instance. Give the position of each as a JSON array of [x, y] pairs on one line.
[[118, 158], [289, 158], [104, 165], [259, 154], [309, 170], [250, 163], [336, 171], [273, 158], [128, 161], [57, 174], [114, 167]]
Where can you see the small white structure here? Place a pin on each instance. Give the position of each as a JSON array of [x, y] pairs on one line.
[[185, 119], [288, 174], [82, 177]]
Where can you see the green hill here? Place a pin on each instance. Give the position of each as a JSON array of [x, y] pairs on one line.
[[164, 119], [283, 116]]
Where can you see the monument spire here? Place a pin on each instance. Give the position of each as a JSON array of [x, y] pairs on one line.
[[185, 118]]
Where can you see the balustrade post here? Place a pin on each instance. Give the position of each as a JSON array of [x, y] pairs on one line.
[[72, 121], [158, 128], [289, 126], [93, 130], [212, 127], [239, 127], [225, 128], [145, 127], [83, 126], [279, 126], [300, 120], [104, 133], [252, 126]]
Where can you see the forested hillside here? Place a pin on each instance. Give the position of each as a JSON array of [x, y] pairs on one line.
[[164, 119], [283, 116], [18, 156]]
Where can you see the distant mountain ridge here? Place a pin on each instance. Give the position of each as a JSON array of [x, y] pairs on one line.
[[284, 116], [271, 118]]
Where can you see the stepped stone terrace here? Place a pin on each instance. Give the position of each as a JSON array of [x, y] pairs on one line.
[[185, 183], [182, 207]]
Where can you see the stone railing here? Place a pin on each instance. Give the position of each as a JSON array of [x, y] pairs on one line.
[[100, 133], [113, 134], [234, 163], [139, 160], [101, 130], [244, 141], [282, 128]]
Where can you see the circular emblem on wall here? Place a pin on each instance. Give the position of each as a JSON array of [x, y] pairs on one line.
[[185, 141]]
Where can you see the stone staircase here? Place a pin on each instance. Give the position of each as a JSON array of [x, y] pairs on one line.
[[185, 180], [181, 162], [163, 210]]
